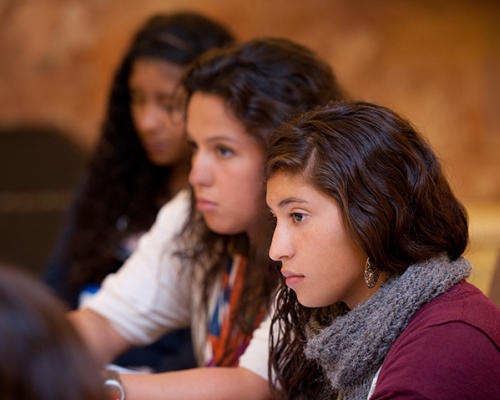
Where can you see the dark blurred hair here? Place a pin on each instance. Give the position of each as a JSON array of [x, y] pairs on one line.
[[42, 356], [121, 182], [178, 38], [264, 82], [394, 198]]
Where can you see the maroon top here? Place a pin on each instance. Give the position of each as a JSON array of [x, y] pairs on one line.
[[449, 350]]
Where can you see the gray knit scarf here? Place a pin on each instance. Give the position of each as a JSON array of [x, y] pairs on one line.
[[352, 348]]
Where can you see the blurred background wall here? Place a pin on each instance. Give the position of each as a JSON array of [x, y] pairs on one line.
[[435, 61]]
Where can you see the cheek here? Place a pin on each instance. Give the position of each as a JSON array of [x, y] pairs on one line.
[[327, 248], [177, 134], [248, 200], [247, 178], [250, 193], [256, 188]]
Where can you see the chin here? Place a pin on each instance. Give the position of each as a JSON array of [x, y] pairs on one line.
[[221, 228], [159, 162], [309, 303]]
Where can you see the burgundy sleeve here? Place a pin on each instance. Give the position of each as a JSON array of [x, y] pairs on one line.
[[453, 360]]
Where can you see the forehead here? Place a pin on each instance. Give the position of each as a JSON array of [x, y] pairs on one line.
[[155, 71], [209, 118], [285, 190], [284, 185]]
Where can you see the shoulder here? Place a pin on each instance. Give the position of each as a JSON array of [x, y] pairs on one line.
[[179, 204], [450, 349], [462, 310], [462, 303], [174, 213]]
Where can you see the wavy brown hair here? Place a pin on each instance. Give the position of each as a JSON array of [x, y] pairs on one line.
[[395, 201], [122, 190], [263, 82]]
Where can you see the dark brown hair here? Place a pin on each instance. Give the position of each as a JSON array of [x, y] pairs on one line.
[[264, 82], [395, 201], [43, 358], [122, 190]]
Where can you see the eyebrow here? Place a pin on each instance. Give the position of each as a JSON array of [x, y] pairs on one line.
[[223, 138], [289, 200], [167, 96], [215, 138], [162, 96]]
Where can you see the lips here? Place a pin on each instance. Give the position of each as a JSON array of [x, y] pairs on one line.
[[155, 146], [292, 278], [204, 205]]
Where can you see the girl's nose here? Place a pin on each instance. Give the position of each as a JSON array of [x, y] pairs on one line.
[[148, 119], [200, 174], [281, 248]]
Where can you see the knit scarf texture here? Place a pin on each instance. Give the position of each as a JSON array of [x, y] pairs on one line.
[[354, 345]]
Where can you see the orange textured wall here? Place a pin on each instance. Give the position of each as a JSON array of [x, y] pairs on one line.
[[436, 62]]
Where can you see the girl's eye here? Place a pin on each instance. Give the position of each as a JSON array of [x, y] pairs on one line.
[[166, 106], [136, 95], [172, 107], [192, 144], [224, 151], [136, 99], [297, 217]]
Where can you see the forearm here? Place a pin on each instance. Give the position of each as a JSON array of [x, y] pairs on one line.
[[100, 337], [197, 384]]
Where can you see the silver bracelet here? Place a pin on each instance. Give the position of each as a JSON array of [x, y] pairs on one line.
[[113, 385]]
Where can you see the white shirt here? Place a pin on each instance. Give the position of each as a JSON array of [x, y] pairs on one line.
[[150, 295]]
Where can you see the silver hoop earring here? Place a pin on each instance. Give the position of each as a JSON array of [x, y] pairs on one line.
[[371, 274]]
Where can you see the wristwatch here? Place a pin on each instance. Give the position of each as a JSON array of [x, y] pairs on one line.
[[113, 385]]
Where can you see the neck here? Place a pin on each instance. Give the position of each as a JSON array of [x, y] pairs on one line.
[[365, 293]]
